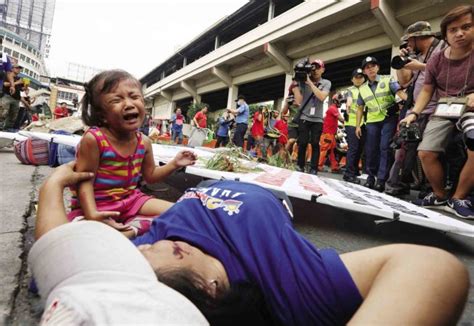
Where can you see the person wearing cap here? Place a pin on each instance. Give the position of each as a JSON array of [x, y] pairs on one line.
[[448, 74], [419, 43], [311, 95], [241, 120], [355, 144], [11, 101], [377, 94]]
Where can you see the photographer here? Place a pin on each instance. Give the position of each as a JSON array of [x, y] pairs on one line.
[[378, 95], [311, 93], [6, 75], [450, 78], [419, 44]]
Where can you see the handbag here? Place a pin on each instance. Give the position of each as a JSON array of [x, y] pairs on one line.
[[297, 118]]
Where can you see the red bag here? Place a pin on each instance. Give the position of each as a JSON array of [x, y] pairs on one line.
[[32, 151]]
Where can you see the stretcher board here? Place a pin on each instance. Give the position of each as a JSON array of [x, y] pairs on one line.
[[8, 138], [311, 188]]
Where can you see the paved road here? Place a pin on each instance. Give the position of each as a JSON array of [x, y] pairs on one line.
[[324, 226]]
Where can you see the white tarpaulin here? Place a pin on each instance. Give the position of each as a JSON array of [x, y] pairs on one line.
[[323, 190]]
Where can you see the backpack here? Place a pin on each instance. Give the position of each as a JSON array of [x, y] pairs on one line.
[[53, 160], [32, 151]]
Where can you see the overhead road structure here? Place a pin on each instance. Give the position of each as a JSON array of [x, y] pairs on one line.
[[254, 50]]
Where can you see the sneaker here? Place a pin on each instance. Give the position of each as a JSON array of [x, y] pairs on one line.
[[379, 186], [313, 171], [460, 207], [431, 200], [351, 179], [299, 169], [369, 183]]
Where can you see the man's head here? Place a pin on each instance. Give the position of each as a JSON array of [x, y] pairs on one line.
[[17, 68], [456, 26], [317, 69], [419, 36], [358, 77], [205, 109], [178, 110], [371, 67], [240, 99], [63, 104]]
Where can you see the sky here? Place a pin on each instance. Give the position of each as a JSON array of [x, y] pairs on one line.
[[134, 35]]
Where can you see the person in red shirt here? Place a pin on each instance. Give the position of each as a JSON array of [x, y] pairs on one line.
[[200, 119], [282, 126], [327, 142], [61, 111], [258, 131]]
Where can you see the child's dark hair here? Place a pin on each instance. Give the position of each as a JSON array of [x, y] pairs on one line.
[[242, 304], [102, 83]]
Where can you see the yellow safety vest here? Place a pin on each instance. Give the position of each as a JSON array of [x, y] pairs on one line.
[[352, 110], [379, 101]]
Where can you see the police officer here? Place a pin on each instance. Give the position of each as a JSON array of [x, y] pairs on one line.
[[355, 144], [378, 96]]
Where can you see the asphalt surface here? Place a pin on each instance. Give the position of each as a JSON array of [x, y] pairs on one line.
[[324, 226]]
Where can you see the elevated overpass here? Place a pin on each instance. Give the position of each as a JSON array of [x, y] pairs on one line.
[[253, 50]]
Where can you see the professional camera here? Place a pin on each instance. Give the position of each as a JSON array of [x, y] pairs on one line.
[[302, 69], [398, 62], [406, 134], [466, 125]]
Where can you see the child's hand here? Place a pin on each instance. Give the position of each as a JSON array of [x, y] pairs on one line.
[[102, 215], [116, 225], [185, 158]]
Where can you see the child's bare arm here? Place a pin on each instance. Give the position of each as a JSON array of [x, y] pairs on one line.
[[88, 161], [154, 174]]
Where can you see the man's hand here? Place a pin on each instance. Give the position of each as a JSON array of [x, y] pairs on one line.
[[12, 90], [470, 102], [184, 158], [414, 65], [64, 175], [408, 119], [358, 132]]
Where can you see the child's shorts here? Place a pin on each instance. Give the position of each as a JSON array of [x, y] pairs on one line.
[[128, 208]]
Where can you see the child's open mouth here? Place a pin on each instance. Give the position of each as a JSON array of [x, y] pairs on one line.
[[130, 116]]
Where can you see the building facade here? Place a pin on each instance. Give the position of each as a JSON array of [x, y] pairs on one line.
[[32, 20]]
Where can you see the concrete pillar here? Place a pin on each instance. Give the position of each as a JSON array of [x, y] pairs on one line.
[[232, 96], [271, 9], [395, 51], [288, 81], [217, 42], [185, 61], [278, 104]]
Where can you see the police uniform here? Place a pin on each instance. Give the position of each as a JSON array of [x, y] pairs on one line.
[[378, 96], [355, 144]]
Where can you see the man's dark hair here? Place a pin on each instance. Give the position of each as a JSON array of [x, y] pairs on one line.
[[453, 15], [242, 304], [102, 83]]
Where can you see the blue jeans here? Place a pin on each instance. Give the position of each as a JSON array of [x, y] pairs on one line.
[[354, 151], [378, 154], [177, 134]]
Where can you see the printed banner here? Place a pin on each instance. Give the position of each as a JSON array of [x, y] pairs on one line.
[[312, 188]]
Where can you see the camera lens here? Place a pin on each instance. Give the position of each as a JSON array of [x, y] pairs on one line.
[[399, 62]]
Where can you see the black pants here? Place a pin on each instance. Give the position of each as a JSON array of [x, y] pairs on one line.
[[221, 141], [240, 130], [309, 132]]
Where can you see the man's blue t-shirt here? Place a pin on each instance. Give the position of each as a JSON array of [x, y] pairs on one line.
[[223, 130], [243, 114], [246, 228]]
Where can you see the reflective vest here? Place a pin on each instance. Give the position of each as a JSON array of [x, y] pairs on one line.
[[379, 101], [352, 110]]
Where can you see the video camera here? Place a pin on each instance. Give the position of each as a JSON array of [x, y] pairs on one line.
[[398, 61], [302, 69], [406, 134]]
